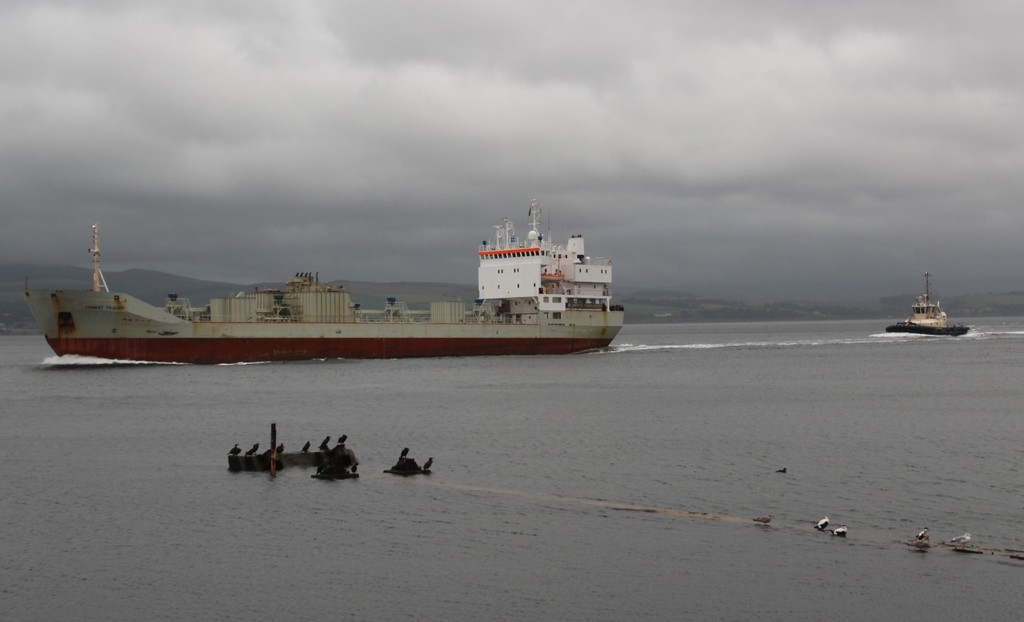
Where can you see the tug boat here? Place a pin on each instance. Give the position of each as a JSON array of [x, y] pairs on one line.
[[927, 317]]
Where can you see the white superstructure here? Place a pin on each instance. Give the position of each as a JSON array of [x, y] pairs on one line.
[[534, 280]]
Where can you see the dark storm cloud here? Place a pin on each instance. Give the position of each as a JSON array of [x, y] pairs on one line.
[[742, 148]]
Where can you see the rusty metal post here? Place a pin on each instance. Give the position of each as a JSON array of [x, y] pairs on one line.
[[273, 450]]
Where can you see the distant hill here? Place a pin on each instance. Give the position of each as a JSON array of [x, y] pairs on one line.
[[642, 306]]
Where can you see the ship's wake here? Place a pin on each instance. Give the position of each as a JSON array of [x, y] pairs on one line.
[[78, 361], [75, 360], [979, 333], [976, 333], [629, 348]]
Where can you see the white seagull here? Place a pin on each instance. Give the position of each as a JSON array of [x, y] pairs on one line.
[[841, 532], [822, 524], [964, 539]]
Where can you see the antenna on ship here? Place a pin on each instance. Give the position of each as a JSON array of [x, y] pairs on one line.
[[97, 275], [535, 214], [927, 287]]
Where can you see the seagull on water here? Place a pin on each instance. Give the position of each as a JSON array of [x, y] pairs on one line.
[[764, 520], [235, 450], [923, 535], [782, 470], [822, 524], [964, 539], [841, 532]]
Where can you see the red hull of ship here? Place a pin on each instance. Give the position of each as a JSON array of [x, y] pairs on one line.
[[241, 350]]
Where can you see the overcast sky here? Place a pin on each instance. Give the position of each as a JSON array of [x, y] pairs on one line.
[[808, 149]]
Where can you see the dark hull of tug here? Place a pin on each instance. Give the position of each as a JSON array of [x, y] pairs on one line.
[[254, 350], [948, 331]]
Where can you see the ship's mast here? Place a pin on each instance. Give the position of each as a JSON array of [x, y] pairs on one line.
[[535, 214], [927, 287], [98, 281]]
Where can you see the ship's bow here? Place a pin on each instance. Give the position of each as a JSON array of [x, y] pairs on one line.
[[44, 305]]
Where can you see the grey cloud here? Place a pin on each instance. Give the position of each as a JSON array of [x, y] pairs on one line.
[[755, 148]]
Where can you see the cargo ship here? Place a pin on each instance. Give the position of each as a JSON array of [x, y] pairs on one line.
[[535, 297], [927, 317]]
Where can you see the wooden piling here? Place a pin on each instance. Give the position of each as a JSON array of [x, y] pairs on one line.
[[273, 450]]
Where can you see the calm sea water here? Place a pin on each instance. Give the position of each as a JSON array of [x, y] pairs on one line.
[[604, 486]]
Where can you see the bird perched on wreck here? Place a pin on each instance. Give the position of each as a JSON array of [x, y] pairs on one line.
[[280, 448], [252, 449], [235, 450], [764, 520], [822, 524], [920, 542], [323, 445], [426, 465], [305, 447], [961, 540]]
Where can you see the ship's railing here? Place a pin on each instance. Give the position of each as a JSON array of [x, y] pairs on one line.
[[529, 319], [180, 308], [578, 305], [387, 317]]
